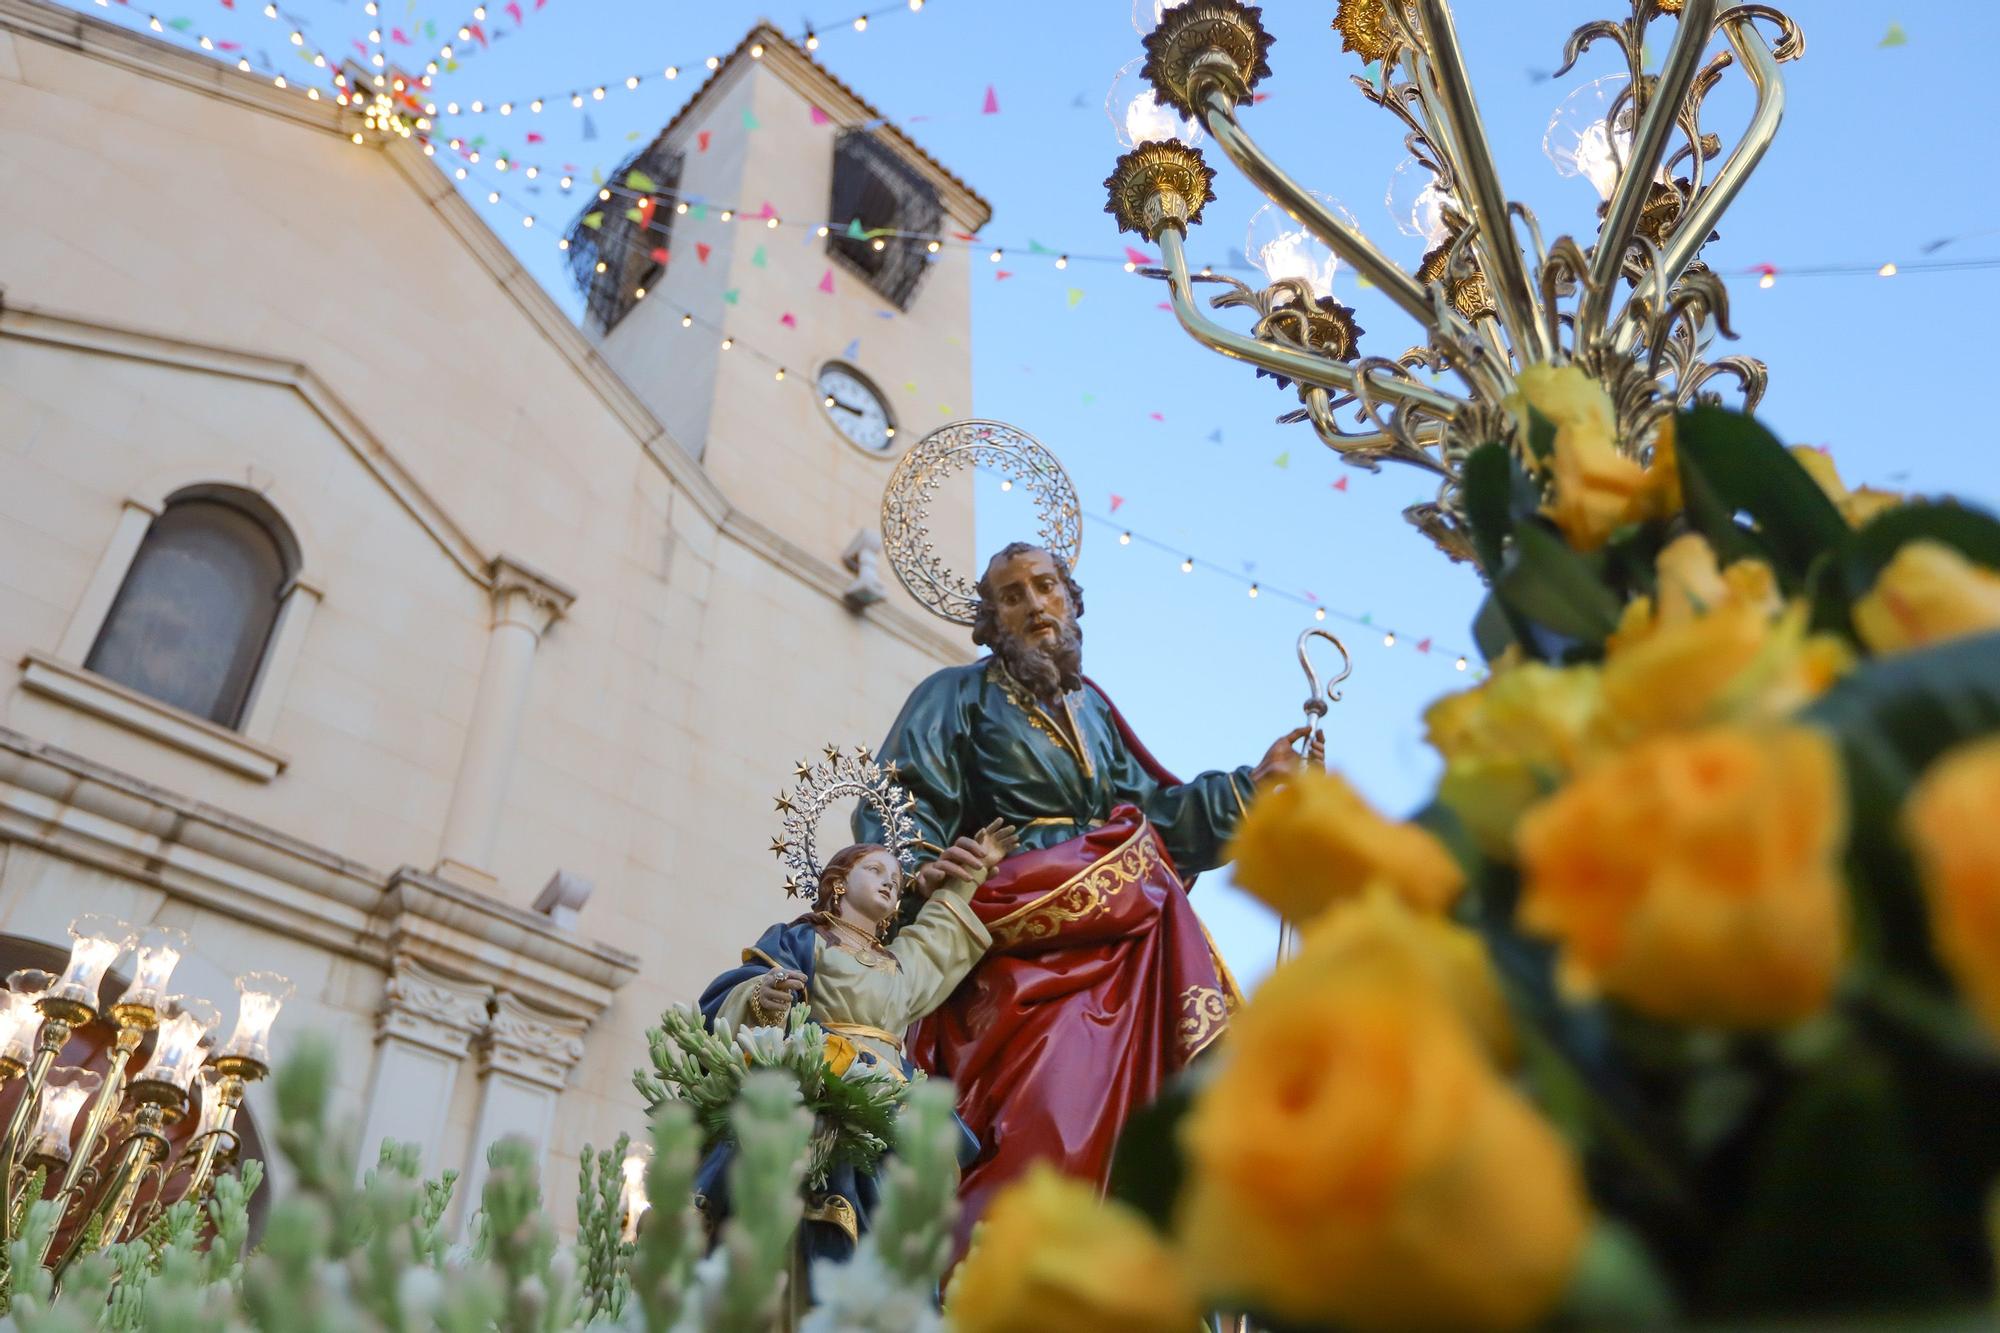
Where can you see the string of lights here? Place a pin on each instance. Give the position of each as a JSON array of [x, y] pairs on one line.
[[809, 38]]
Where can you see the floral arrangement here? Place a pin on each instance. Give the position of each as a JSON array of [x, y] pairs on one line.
[[853, 1104], [1679, 1004]]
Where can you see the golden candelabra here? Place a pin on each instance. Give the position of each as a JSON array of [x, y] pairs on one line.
[[1636, 310], [100, 1144]]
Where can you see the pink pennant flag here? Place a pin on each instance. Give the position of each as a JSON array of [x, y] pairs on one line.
[[514, 8], [701, 139], [702, 251], [397, 36], [788, 320], [769, 212], [229, 46], [1255, 98], [1341, 485], [478, 32], [992, 107], [1157, 416], [1312, 597], [1137, 256], [362, 47], [965, 236], [534, 137], [1165, 306], [820, 117], [1116, 500], [1002, 275], [1423, 645]]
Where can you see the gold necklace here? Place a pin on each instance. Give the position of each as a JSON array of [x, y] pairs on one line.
[[870, 951]]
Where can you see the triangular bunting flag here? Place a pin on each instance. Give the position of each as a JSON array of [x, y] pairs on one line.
[[767, 212], [909, 386], [1283, 460], [1078, 103], [1894, 37], [992, 106], [757, 257], [1423, 645], [636, 179], [514, 9], [1035, 247], [729, 296], [852, 350], [820, 117], [1075, 295], [1089, 398], [750, 121], [534, 137], [789, 320], [1002, 275], [1137, 256], [701, 141], [589, 127], [1116, 500], [698, 212], [854, 229], [660, 255], [633, 215], [702, 251], [1341, 485], [593, 220], [1157, 416], [826, 282], [1215, 436]]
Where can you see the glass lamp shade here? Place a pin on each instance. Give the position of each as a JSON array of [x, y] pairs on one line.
[[263, 994], [97, 940], [632, 1201], [177, 1053], [20, 1020], [1590, 133], [1137, 116], [159, 948], [1282, 248], [66, 1091], [216, 1113]]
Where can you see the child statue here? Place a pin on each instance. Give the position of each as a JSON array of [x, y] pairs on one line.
[[861, 984]]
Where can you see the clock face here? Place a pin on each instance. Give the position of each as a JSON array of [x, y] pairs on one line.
[[856, 408]]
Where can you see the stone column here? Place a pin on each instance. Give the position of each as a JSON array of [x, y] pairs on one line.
[[525, 604], [422, 1035], [525, 1059]]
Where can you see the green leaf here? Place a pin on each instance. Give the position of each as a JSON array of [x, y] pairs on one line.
[[1146, 1165], [1730, 464], [1617, 1284], [1974, 533], [1492, 633], [1557, 588], [1485, 482], [1541, 436]]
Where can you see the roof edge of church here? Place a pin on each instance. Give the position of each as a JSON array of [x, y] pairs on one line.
[[820, 85]]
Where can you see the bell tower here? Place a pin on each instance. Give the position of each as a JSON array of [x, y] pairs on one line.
[[798, 326]]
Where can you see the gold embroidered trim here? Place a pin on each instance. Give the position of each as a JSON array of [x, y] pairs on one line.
[[758, 955], [837, 1210], [1231, 992], [1071, 743], [1084, 894], [1204, 1015], [1242, 806], [972, 924]]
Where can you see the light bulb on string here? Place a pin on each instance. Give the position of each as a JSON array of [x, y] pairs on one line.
[[1187, 565], [1416, 202], [1136, 114], [1319, 613], [1282, 248], [1389, 639], [1582, 139]]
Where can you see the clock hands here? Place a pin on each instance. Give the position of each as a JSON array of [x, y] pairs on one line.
[[843, 405]]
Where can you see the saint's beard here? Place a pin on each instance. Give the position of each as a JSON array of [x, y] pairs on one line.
[[1047, 671]]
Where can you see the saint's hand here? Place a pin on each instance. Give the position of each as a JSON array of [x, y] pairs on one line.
[[1282, 760], [997, 841]]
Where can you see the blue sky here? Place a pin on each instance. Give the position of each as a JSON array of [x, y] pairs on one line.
[[1884, 150]]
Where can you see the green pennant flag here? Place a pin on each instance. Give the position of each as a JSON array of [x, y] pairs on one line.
[[1283, 460], [1075, 295], [757, 257], [430, 28], [632, 137], [697, 211], [1035, 247], [1894, 37], [478, 142], [180, 25], [596, 176], [636, 179], [854, 229], [451, 66], [910, 386], [1367, 617], [593, 220], [1089, 398], [750, 121], [729, 296], [632, 215]]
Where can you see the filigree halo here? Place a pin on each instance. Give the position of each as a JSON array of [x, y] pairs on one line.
[[906, 506], [840, 775]]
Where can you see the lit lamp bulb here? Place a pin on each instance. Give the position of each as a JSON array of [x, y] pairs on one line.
[[1136, 114], [249, 1047], [19, 1019], [177, 1054], [1416, 202], [632, 1201], [216, 1113], [160, 948], [1282, 248], [64, 1093], [1590, 133], [97, 940]]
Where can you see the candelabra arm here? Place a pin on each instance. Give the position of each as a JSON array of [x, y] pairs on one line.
[[109, 1094], [1649, 143], [114, 1206], [1300, 366], [54, 1036], [1219, 114], [1762, 67], [1479, 181], [231, 1092]]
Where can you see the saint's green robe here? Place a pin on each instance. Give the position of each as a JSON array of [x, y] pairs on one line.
[[972, 746]]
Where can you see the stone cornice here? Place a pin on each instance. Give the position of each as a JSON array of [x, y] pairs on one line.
[[527, 1043], [88, 812]]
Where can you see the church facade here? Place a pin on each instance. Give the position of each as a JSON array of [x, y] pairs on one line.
[[368, 619]]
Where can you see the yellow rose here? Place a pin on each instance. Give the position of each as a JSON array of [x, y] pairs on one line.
[[1926, 594], [1051, 1257], [1510, 741], [1313, 841], [840, 1053], [1953, 823], [1596, 487], [1696, 877], [1716, 644], [1857, 507], [1356, 1160]]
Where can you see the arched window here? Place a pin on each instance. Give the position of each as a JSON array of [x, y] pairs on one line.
[[191, 621]]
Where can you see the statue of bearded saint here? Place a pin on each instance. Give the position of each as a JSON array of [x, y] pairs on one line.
[[1100, 977]]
